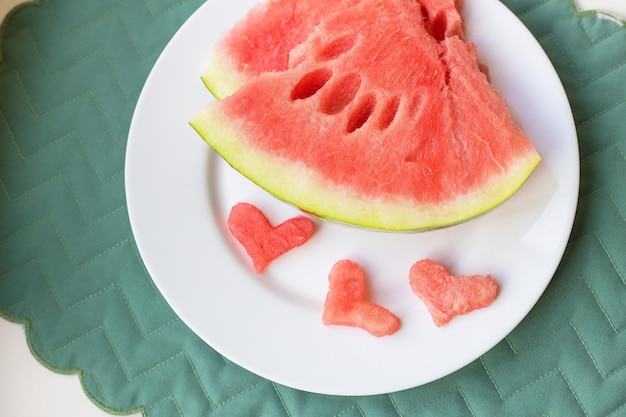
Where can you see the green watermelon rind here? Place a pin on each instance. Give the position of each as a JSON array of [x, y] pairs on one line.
[[219, 76], [302, 187]]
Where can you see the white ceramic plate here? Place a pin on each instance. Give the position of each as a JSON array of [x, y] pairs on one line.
[[179, 195]]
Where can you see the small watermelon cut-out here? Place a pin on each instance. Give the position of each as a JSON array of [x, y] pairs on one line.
[[262, 241], [347, 304], [447, 296]]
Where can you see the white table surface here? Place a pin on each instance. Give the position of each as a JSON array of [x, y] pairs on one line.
[[23, 378]]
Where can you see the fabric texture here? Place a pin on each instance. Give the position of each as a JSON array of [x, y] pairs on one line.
[[70, 271]]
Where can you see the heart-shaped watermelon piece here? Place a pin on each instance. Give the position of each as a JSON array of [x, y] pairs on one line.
[[262, 241], [347, 302], [447, 296]]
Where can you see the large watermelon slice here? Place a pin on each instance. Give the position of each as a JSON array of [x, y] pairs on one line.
[[382, 119]]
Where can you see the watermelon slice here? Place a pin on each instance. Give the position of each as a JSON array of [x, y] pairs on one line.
[[447, 296], [347, 305], [262, 40], [262, 241], [388, 129]]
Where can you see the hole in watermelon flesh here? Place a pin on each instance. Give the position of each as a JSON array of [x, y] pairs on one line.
[[436, 27], [361, 113], [340, 94], [424, 11], [310, 83], [388, 113], [337, 47], [439, 27]]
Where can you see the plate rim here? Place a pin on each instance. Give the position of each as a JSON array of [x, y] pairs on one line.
[[135, 219]]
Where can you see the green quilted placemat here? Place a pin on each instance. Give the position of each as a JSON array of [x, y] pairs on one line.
[[71, 74]]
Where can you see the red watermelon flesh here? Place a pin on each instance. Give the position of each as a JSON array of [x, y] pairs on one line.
[[262, 241], [442, 18], [347, 305], [262, 40], [389, 129], [447, 296]]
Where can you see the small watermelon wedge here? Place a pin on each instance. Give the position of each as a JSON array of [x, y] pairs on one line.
[[262, 40], [262, 241], [447, 296], [347, 305], [387, 129]]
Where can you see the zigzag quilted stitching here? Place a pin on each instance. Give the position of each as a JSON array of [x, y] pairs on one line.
[[71, 76]]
